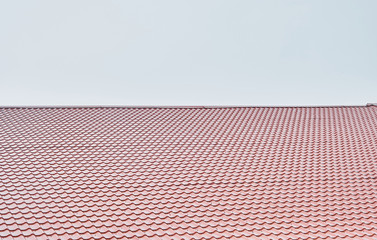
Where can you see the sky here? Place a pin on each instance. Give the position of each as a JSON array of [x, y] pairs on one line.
[[188, 52]]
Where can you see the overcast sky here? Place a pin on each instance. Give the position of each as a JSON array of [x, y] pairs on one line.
[[193, 52]]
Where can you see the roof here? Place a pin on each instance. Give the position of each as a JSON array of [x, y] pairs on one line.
[[188, 173]]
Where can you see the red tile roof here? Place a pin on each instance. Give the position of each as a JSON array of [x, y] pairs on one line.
[[188, 173]]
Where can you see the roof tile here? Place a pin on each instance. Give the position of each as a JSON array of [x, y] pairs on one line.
[[188, 173]]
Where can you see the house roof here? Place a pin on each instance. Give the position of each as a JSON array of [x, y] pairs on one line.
[[188, 172]]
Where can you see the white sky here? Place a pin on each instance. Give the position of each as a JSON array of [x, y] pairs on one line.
[[193, 52]]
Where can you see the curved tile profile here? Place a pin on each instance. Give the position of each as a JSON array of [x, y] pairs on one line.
[[188, 173]]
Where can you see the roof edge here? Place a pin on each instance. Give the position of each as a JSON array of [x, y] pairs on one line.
[[209, 106]]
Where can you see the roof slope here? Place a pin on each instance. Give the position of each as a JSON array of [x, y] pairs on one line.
[[188, 173]]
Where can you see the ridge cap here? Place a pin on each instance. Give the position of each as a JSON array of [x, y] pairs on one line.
[[185, 106]]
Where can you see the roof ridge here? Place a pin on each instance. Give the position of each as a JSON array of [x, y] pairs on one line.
[[188, 106]]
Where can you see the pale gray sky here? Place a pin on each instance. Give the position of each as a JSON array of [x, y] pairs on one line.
[[192, 52]]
